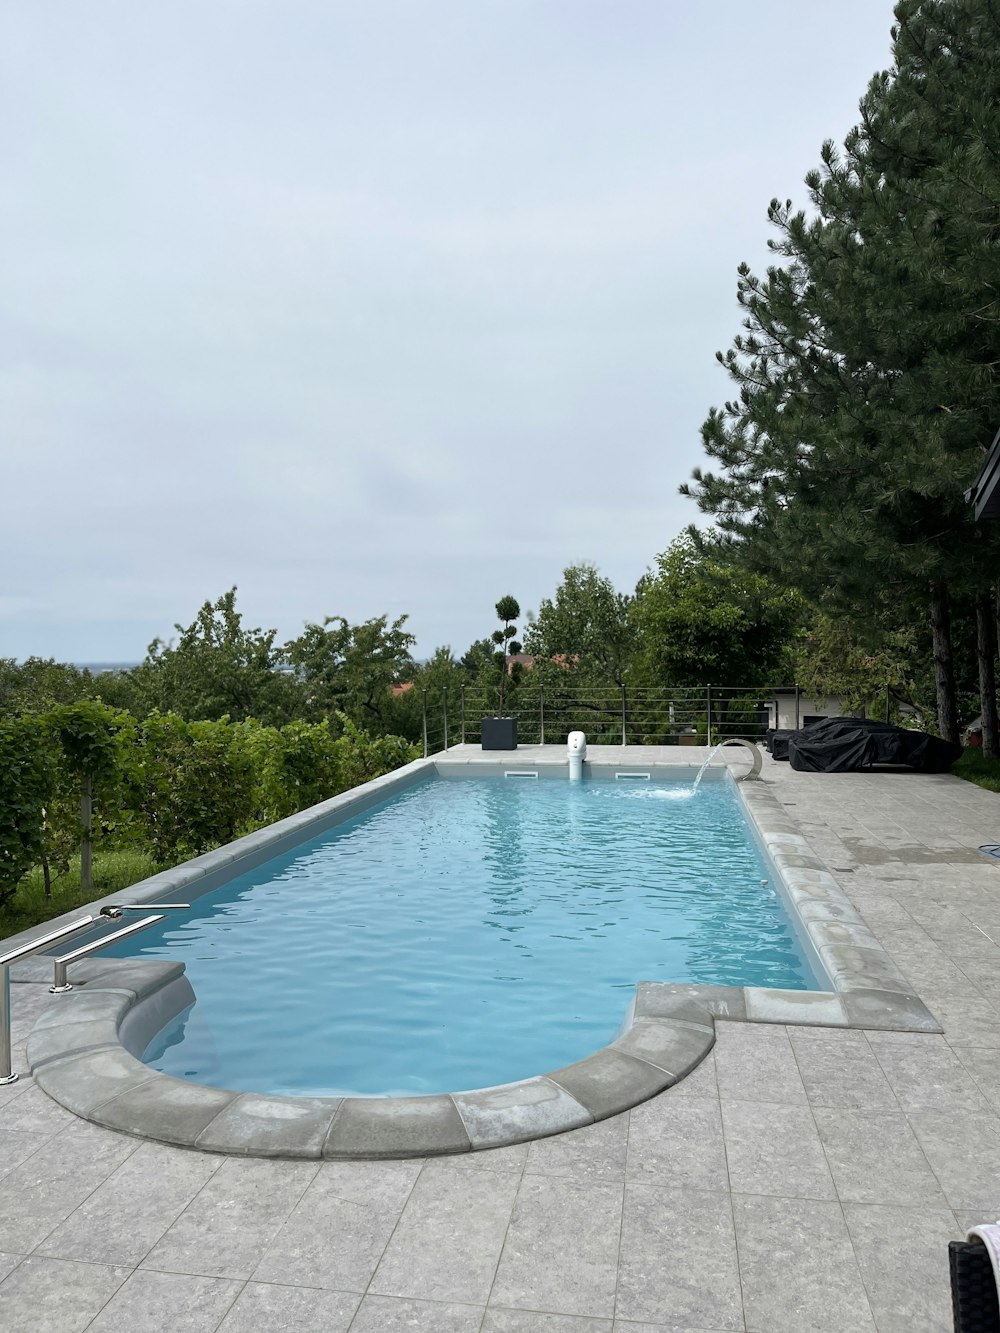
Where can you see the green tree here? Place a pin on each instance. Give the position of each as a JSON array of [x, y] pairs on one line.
[[866, 372], [218, 668], [38, 684], [86, 732], [701, 620], [586, 628], [351, 669], [505, 643]]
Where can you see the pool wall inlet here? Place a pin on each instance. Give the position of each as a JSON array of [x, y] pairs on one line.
[[84, 1049]]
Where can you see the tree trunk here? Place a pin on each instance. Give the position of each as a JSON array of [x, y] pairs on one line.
[[46, 875], [986, 649], [86, 819], [944, 674]]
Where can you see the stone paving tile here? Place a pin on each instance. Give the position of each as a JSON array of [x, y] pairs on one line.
[[125, 1216], [966, 1021], [561, 1250], [874, 1156], [798, 1268], [963, 1150], [16, 1146], [907, 1279], [171, 1301], [775, 1150], [755, 1063], [531, 1321], [8, 1262], [447, 1242], [50, 1184], [262, 1307], [336, 1234], [983, 1063], [841, 1071], [390, 1314], [33, 1112], [678, 1142], [56, 1295], [926, 1074], [226, 1228], [701, 1082], [678, 1259], [594, 1153], [511, 1158]]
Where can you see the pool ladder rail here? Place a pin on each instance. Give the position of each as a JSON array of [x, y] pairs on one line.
[[60, 984]]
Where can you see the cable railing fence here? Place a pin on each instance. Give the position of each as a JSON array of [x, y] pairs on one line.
[[609, 714]]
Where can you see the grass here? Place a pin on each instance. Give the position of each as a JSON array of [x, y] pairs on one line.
[[975, 767], [112, 871]]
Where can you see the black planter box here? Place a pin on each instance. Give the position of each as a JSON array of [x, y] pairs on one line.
[[499, 733]]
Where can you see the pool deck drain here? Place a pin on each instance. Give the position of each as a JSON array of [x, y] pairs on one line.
[[801, 1177]]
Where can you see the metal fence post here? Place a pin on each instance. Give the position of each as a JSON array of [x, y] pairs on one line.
[[444, 709], [463, 714], [425, 724], [624, 722], [798, 695], [887, 702], [708, 714], [541, 715]]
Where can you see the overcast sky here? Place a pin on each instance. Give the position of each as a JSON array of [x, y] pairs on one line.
[[376, 307]]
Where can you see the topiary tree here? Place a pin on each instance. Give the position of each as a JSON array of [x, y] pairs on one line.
[[508, 611], [86, 732]]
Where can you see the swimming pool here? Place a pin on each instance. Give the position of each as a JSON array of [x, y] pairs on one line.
[[469, 932]]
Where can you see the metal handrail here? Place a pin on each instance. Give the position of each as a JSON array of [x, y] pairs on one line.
[[14, 956], [59, 982], [112, 912]]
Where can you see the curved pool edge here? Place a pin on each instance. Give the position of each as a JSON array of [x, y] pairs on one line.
[[81, 1052]]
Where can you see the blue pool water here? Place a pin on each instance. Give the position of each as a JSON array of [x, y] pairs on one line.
[[468, 932]]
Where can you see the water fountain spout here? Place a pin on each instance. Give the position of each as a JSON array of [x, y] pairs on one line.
[[733, 740]]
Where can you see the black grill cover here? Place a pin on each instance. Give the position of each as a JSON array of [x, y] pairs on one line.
[[845, 744]]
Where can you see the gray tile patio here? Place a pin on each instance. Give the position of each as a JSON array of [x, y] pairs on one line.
[[802, 1179]]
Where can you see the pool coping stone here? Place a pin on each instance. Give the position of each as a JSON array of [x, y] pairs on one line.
[[79, 1052]]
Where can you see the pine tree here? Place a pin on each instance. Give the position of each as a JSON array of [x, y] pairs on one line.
[[867, 370]]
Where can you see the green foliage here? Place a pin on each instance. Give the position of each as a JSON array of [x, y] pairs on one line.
[[35, 901], [351, 669], [866, 374], [505, 642], [86, 734], [700, 621], [296, 766], [38, 684], [27, 782], [217, 668], [193, 783], [975, 767], [586, 630]]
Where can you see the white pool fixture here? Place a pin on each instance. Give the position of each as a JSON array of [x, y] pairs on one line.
[[576, 753]]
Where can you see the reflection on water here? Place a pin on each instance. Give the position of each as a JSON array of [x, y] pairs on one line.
[[467, 933]]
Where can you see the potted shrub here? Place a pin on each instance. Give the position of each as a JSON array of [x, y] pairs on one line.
[[500, 732]]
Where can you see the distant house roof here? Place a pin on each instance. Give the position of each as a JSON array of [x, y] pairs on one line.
[[984, 493], [397, 690]]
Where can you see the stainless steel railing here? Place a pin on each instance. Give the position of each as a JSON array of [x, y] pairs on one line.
[[60, 984]]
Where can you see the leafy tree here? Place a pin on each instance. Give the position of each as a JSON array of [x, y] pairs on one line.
[[587, 627], [219, 668], [27, 783], [351, 669], [701, 620], [86, 734], [866, 372], [39, 683]]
